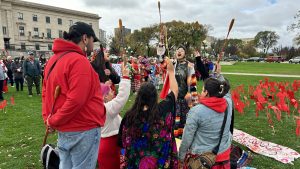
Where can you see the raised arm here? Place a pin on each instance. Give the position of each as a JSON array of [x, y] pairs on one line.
[[172, 79], [114, 106]]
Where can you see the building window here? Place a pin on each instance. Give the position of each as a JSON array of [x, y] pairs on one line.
[[47, 19], [36, 32], [20, 16], [21, 30], [49, 33], [49, 46], [34, 18], [59, 21], [23, 46], [4, 30], [37, 46], [71, 22], [60, 34]]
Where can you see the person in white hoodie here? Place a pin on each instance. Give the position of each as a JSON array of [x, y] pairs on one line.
[[109, 151]]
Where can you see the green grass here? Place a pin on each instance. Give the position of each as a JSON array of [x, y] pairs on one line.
[[22, 129], [264, 68]]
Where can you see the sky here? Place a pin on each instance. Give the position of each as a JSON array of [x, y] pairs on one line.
[[251, 16]]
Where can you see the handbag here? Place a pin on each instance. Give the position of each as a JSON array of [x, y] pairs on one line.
[[207, 159], [49, 153]]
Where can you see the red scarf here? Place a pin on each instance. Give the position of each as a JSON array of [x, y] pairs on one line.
[[217, 104]]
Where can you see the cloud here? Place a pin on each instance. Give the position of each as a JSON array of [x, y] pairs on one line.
[[113, 4], [251, 16]]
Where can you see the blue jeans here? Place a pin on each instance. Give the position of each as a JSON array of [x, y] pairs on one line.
[[78, 150]]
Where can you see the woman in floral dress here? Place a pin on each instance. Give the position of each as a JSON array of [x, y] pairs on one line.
[[146, 131]]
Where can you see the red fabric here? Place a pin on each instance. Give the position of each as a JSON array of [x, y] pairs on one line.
[[298, 127], [5, 88], [3, 104], [12, 100], [222, 166], [79, 106], [126, 77], [165, 90], [223, 156], [217, 104], [109, 153]]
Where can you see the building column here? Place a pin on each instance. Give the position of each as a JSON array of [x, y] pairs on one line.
[[11, 26], [1, 30]]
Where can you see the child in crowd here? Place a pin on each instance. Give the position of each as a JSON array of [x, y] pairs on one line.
[[109, 151]]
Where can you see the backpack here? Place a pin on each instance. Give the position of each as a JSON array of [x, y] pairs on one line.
[[49, 157]]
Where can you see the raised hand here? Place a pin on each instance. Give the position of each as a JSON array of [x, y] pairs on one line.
[[125, 70]]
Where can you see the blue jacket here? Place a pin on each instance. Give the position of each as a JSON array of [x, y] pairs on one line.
[[202, 130], [30, 69]]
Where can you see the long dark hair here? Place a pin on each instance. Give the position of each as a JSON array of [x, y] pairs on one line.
[[216, 88], [146, 96], [99, 65]]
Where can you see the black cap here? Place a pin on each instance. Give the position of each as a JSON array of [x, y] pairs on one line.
[[83, 28]]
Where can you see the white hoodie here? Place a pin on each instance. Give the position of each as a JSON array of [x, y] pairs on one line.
[[113, 108]]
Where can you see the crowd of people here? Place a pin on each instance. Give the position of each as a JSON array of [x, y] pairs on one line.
[[81, 102], [15, 71]]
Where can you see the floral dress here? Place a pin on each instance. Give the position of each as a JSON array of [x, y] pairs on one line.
[[152, 147]]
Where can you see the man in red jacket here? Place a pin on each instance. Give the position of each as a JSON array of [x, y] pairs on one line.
[[78, 112]]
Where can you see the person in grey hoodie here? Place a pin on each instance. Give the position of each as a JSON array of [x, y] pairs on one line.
[[32, 73], [202, 130]]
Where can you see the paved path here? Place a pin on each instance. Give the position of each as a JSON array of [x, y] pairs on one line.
[[254, 74]]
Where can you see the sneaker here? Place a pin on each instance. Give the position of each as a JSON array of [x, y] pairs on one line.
[[30, 95], [39, 94], [12, 86]]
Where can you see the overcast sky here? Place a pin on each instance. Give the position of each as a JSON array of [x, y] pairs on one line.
[[251, 16]]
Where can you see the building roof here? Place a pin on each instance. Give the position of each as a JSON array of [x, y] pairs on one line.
[[54, 9]]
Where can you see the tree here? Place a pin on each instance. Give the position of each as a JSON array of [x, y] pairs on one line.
[[190, 35], [265, 40], [287, 52], [296, 26], [248, 50], [114, 45], [233, 46]]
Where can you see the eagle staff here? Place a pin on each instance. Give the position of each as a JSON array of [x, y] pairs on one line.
[[226, 40]]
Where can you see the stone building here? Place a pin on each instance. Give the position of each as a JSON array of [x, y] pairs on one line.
[[31, 26]]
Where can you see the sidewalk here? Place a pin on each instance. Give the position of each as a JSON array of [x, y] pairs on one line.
[[254, 74]]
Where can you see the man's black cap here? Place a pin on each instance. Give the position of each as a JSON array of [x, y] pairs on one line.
[[83, 28]]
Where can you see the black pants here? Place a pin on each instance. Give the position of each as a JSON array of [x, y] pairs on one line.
[[19, 83], [36, 80], [1, 89], [10, 77]]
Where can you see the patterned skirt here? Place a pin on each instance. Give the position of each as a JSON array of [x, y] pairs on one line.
[[182, 109]]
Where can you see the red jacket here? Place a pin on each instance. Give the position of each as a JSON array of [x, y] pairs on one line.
[[79, 107]]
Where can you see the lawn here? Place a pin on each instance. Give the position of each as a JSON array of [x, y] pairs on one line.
[[264, 68], [22, 129]]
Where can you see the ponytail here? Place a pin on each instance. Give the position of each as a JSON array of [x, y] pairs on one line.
[[216, 88], [66, 36], [73, 36], [225, 87]]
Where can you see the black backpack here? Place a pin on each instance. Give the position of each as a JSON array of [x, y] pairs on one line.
[[50, 157]]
